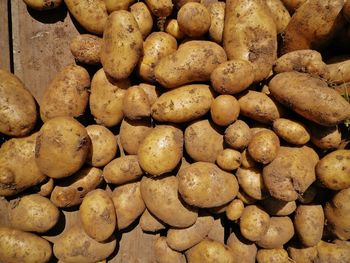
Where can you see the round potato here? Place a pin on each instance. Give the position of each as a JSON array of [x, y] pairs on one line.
[[252, 183], [325, 138], [172, 28], [86, 49], [234, 209], [277, 207], [254, 223], [160, 8], [242, 248], [229, 159], [224, 110], [164, 254], [264, 146], [149, 223], [291, 131], [136, 104], [275, 255], [43, 4], [143, 18], [237, 135], [114, 5], [217, 17]]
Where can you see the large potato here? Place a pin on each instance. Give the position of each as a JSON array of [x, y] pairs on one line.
[[86, 48], [250, 34], [18, 246], [275, 255], [61, 147], [161, 150], [217, 18], [329, 252], [279, 13], [43, 4], [18, 169], [310, 97], [149, 223], [251, 181], [164, 254], [183, 104], [143, 18], [33, 213], [122, 45], [162, 199], [277, 207], [291, 131], [242, 249], [193, 61], [18, 110], [237, 135], [254, 223]]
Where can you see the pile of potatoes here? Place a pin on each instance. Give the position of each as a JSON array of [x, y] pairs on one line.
[[196, 110]]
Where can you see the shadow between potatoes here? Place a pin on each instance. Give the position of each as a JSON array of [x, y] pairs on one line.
[[49, 16]]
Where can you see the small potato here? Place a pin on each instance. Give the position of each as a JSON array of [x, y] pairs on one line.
[[229, 159], [275, 255], [237, 135], [72, 191], [106, 99], [172, 28], [122, 170], [279, 232], [279, 14], [224, 110], [194, 19], [325, 138], [132, 133], [181, 239], [247, 160], [122, 45], [264, 146], [242, 248], [74, 245], [164, 254], [161, 150], [328, 252], [19, 246], [303, 254], [143, 18], [114, 5], [86, 49], [193, 61], [277, 207], [160, 8], [91, 15], [251, 181], [291, 131], [206, 185], [103, 145], [234, 210], [43, 4], [183, 104], [203, 142], [61, 147], [46, 188], [339, 72], [97, 215], [254, 223], [136, 104], [217, 18], [149, 223], [156, 191], [128, 203], [309, 222], [18, 110]]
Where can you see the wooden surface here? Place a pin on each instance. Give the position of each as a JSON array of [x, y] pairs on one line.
[[4, 36]]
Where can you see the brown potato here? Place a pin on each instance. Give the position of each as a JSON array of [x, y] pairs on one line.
[[172, 28], [229, 159], [160, 8], [46, 188], [86, 49], [43, 4], [164, 254], [277, 207], [251, 181], [264, 146], [149, 223], [279, 13], [136, 104], [339, 72], [328, 252], [303, 254], [242, 249], [217, 18], [114, 5], [293, 132], [325, 138], [254, 223], [234, 210], [224, 110], [18, 110], [143, 18], [275, 255], [247, 161], [151, 91], [293, 5], [237, 135], [246, 199]]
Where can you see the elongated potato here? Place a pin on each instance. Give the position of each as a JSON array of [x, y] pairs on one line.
[[164, 254], [193, 61], [217, 18], [183, 104], [136, 104], [277, 207], [275, 255], [250, 34], [279, 13], [106, 99], [237, 135], [143, 18], [122, 45], [91, 15], [18, 110], [251, 181], [162, 199], [160, 8], [19, 246], [86, 48], [114, 5], [264, 146], [310, 97], [43, 4], [172, 28], [242, 248], [291, 131], [150, 223], [254, 223], [339, 72]]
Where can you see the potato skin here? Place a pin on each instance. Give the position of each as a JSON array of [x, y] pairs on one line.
[[43, 4], [18, 110], [279, 13], [150, 223], [242, 248], [275, 207], [183, 104], [114, 5], [217, 17], [293, 5], [237, 135], [86, 48], [122, 45], [310, 97], [291, 131], [224, 110], [160, 8], [19, 246], [164, 254], [329, 252], [303, 254], [339, 72], [136, 104], [251, 181], [229, 159], [325, 137], [143, 18], [264, 146], [234, 209], [172, 28], [91, 15], [254, 223], [275, 255], [193, 61]]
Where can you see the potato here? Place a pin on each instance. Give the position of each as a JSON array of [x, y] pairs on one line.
[[293, 132], [310, 97], [325, 137], [114, 5], [279, 13], [103, 145], [250, 34], [205, 185], [309, 222], [86, 49], [293, 5], [18, 109], [15, 178], [61, 147], [276, 255], [183, 104], [224, 110], [217, 18], [232, 77], [122, 45], [194, 19], [234, 210], [128, 203], [43, 4], [264, 146], [304, 61], [164, 254], [106, 99], [308, 29], [136, 104], [209, 251], [162, 199], [74, 245], [19, 246], [339, 72], [277, 207], [149, 223], [172, 28], [241, 248], [229, 159], [151, 91], [46, 188], [246, 199], [251, 181], [97, 215], [254, 223], [328, 252], [91, 15], [181, 239], [122, 170], [279, 232], [337, 212], [193, 61], [72, 191], [156, 46], [237, 135], [303, 254], [247, 161], [143, 18], [161, 150], [202, 141], [289, 174], [160, 8]]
